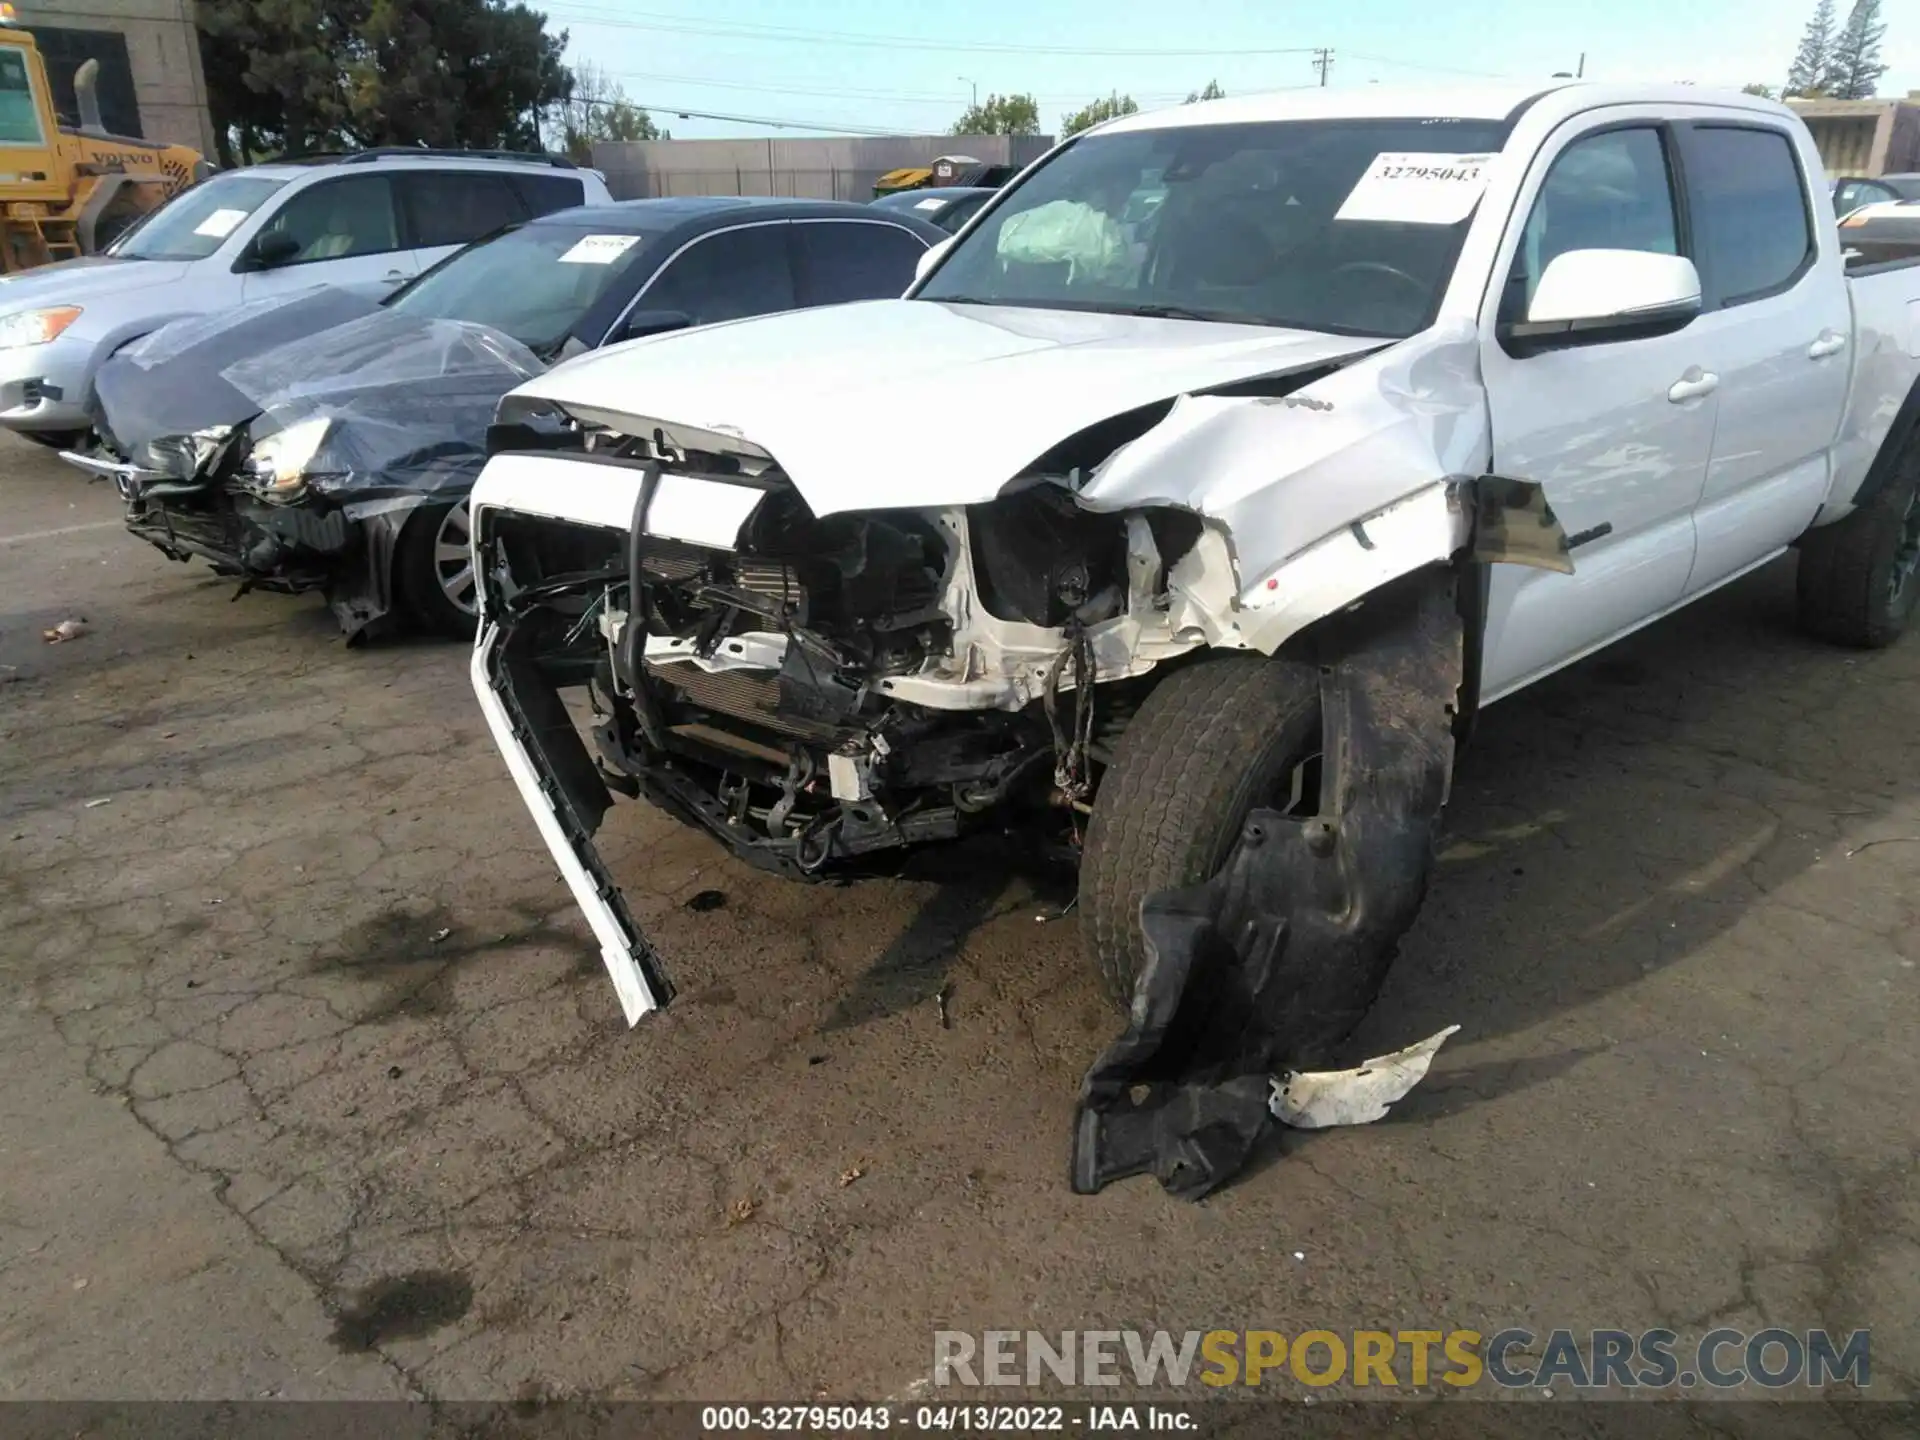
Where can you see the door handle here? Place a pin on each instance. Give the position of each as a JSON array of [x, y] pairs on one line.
[[1691, 386], [1827, 344], [396, 274]]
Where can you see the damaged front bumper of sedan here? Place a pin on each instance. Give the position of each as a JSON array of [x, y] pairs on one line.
[[815, 689], [345, 435]]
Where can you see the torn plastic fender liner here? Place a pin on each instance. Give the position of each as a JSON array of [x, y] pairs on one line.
[[1272, 962], [567, 799]]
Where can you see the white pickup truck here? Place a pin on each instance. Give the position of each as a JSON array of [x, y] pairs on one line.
[[1263, 441]]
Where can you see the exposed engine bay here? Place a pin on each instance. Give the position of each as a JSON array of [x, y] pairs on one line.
[[825, 665], [833, 687]]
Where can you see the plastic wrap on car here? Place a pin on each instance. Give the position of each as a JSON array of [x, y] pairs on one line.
[[407, 400], [168, 383]]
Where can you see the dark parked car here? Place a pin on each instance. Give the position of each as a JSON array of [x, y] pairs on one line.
[[326, 441], [1850, 192], [948, 206]]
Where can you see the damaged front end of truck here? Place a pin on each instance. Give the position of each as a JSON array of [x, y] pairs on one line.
[[817, 686]]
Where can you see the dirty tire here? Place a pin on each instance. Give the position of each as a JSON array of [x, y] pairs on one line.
[[1213, 740], [417, 579], [1859, 578]]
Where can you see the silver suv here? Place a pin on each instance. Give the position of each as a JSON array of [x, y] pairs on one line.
[[368, 221]]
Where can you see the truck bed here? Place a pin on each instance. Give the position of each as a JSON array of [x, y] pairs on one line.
[[1885, 294]]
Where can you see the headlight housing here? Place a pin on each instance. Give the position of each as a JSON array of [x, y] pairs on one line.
[[35, 327], [183, 456], [277, 467]]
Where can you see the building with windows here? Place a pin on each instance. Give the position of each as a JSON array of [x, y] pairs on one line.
[[1865, 137], [151, 85]]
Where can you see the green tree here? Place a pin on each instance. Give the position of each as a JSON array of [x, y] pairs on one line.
[[1096, 111], [1808, 73], [1854, 71], [1000, 115], [274, 71], [457, 73], [598, 109], [1764, 91], [291, 76], [1212, 92]]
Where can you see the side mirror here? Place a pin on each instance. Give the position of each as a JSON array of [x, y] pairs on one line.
[[649, 322], [1587, 297], [271, 248], [928, 259]]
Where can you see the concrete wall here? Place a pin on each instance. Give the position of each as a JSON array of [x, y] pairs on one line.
[[1864, 137], [837, 167], [163, 50]]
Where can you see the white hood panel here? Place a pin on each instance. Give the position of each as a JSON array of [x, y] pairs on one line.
[[916, 403]]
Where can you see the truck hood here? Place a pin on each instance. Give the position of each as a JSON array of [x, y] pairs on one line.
[[913, 402], [75, 282]]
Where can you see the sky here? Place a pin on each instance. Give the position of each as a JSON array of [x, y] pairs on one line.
[[852, 66]]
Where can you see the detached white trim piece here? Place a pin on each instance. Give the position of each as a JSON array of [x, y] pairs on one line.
[[636, 996], [1322, 1099], [685, 507]]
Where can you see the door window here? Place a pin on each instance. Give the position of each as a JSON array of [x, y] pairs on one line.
[[19, 114], [960, 212], [1610, 191], [1756, 237], [727, 276], [1852, 194], [843, 260], [544, 194], [339, 219], [455, 207]]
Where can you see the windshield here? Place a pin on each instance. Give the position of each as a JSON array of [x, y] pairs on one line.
[[534, 283], [1349, 226], [19, 116], [196, 222]]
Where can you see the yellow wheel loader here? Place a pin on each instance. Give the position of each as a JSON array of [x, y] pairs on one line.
[[70, 192]]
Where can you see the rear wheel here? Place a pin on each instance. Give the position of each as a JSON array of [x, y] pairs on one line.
[[1859, 578], [1211, 742], [433, 571]]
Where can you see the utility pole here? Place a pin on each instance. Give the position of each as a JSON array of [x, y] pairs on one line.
[[976, 89], [1323, 62], [1581, 73]]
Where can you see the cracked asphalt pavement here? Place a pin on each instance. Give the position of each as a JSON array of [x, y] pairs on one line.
[[311, 1083]]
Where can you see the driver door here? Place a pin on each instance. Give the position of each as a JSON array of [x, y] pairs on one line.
[[1617, 433], [349, 232]]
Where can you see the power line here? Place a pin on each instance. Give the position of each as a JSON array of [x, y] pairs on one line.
[[1422, 65], [680, 25], [682, 112], [842, 93]]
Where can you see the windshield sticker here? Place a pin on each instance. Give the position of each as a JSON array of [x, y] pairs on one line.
[[929, 204], [220, 223], [1417, 189], [599, 249]]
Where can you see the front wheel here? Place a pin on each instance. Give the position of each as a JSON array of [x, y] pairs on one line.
[[433, 571], [1213, 741], [1859, 578]]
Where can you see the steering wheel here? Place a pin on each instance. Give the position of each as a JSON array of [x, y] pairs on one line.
[[1379, 267]]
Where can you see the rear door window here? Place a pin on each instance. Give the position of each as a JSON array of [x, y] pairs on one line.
[[727, 276], [544, 194], [1749, 205], [842, 260], [455, 207]]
